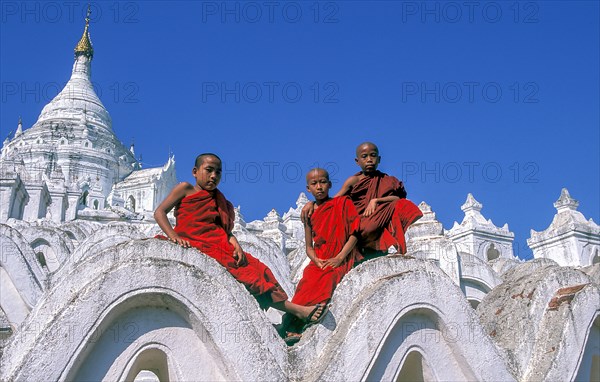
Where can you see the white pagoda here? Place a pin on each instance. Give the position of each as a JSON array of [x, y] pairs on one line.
[[70, 164]]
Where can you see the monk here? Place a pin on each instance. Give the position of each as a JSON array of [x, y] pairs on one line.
[[381, 201], [330, 237], [204, 220]]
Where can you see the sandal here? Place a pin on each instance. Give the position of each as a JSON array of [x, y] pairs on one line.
[[310, 322], [292, 338]]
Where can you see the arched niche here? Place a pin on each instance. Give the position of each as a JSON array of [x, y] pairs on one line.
[[83, 200], [45, 254], [146, 332], [130, 203], [151, 364], [589, 366], [596, 257], [415, 369], [492, 253], [420, 334], [474, 289], [474, 303], [71, 236], [147, 376]]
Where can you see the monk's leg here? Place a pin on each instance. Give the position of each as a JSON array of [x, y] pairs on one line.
[[405, 214], [300, 311], [257, 278], [315, 287]]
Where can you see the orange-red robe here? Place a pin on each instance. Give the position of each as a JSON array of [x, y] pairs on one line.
[[333, 222], [205, 219], [385, 227]]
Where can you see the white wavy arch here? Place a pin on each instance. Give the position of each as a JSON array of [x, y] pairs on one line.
[[577, 350], [420, 327], [59, 245], [354, 341], [22, 278], [588, 367], [152, 318], [550, 310], [81, 229], [218, 309], [106, 237]]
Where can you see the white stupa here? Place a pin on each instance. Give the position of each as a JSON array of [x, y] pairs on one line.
[[71, 160]]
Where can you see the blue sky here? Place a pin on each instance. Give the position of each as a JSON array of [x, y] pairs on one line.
[[500, 99]]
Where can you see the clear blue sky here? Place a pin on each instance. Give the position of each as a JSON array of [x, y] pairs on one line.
[[500, 99]]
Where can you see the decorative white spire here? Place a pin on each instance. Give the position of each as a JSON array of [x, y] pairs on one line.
[[19, 127], [428, 214], [78, 99], [471, 206], [566, 202], [570, 240], [301, 201], [273, 216], [238, 220]]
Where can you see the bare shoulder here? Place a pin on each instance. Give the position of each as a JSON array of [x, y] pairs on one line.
[[351, 181], [348, 184], [183, 189]]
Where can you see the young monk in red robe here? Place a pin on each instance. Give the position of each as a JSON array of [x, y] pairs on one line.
[[381, 201], [205, 221], [330, 237]]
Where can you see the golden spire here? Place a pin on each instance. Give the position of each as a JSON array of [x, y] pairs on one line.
[[84, 46]]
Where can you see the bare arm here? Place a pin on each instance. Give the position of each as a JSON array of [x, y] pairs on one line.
[[238, 252], [347, 185], [375, 201], [310, 251], [307, 212], [160, 214], [340, 257]]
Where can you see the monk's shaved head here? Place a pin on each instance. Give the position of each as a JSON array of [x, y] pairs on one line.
[[200, 158], [316, 172], [368, 144]]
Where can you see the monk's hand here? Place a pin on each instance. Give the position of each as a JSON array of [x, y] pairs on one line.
[[334, 262], [370, 210], [179, 241], [318, 262], [239, 256], [307, 212]]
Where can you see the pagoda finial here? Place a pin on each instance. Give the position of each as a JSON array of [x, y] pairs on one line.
[[471, 204], [19, 127], [566, 202], [84, 46]]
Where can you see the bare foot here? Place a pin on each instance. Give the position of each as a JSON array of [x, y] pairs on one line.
[[311, 313], [308, 314]]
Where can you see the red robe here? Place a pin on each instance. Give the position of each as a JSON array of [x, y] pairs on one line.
[[332, 224], [205, 219], [385, 227]]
